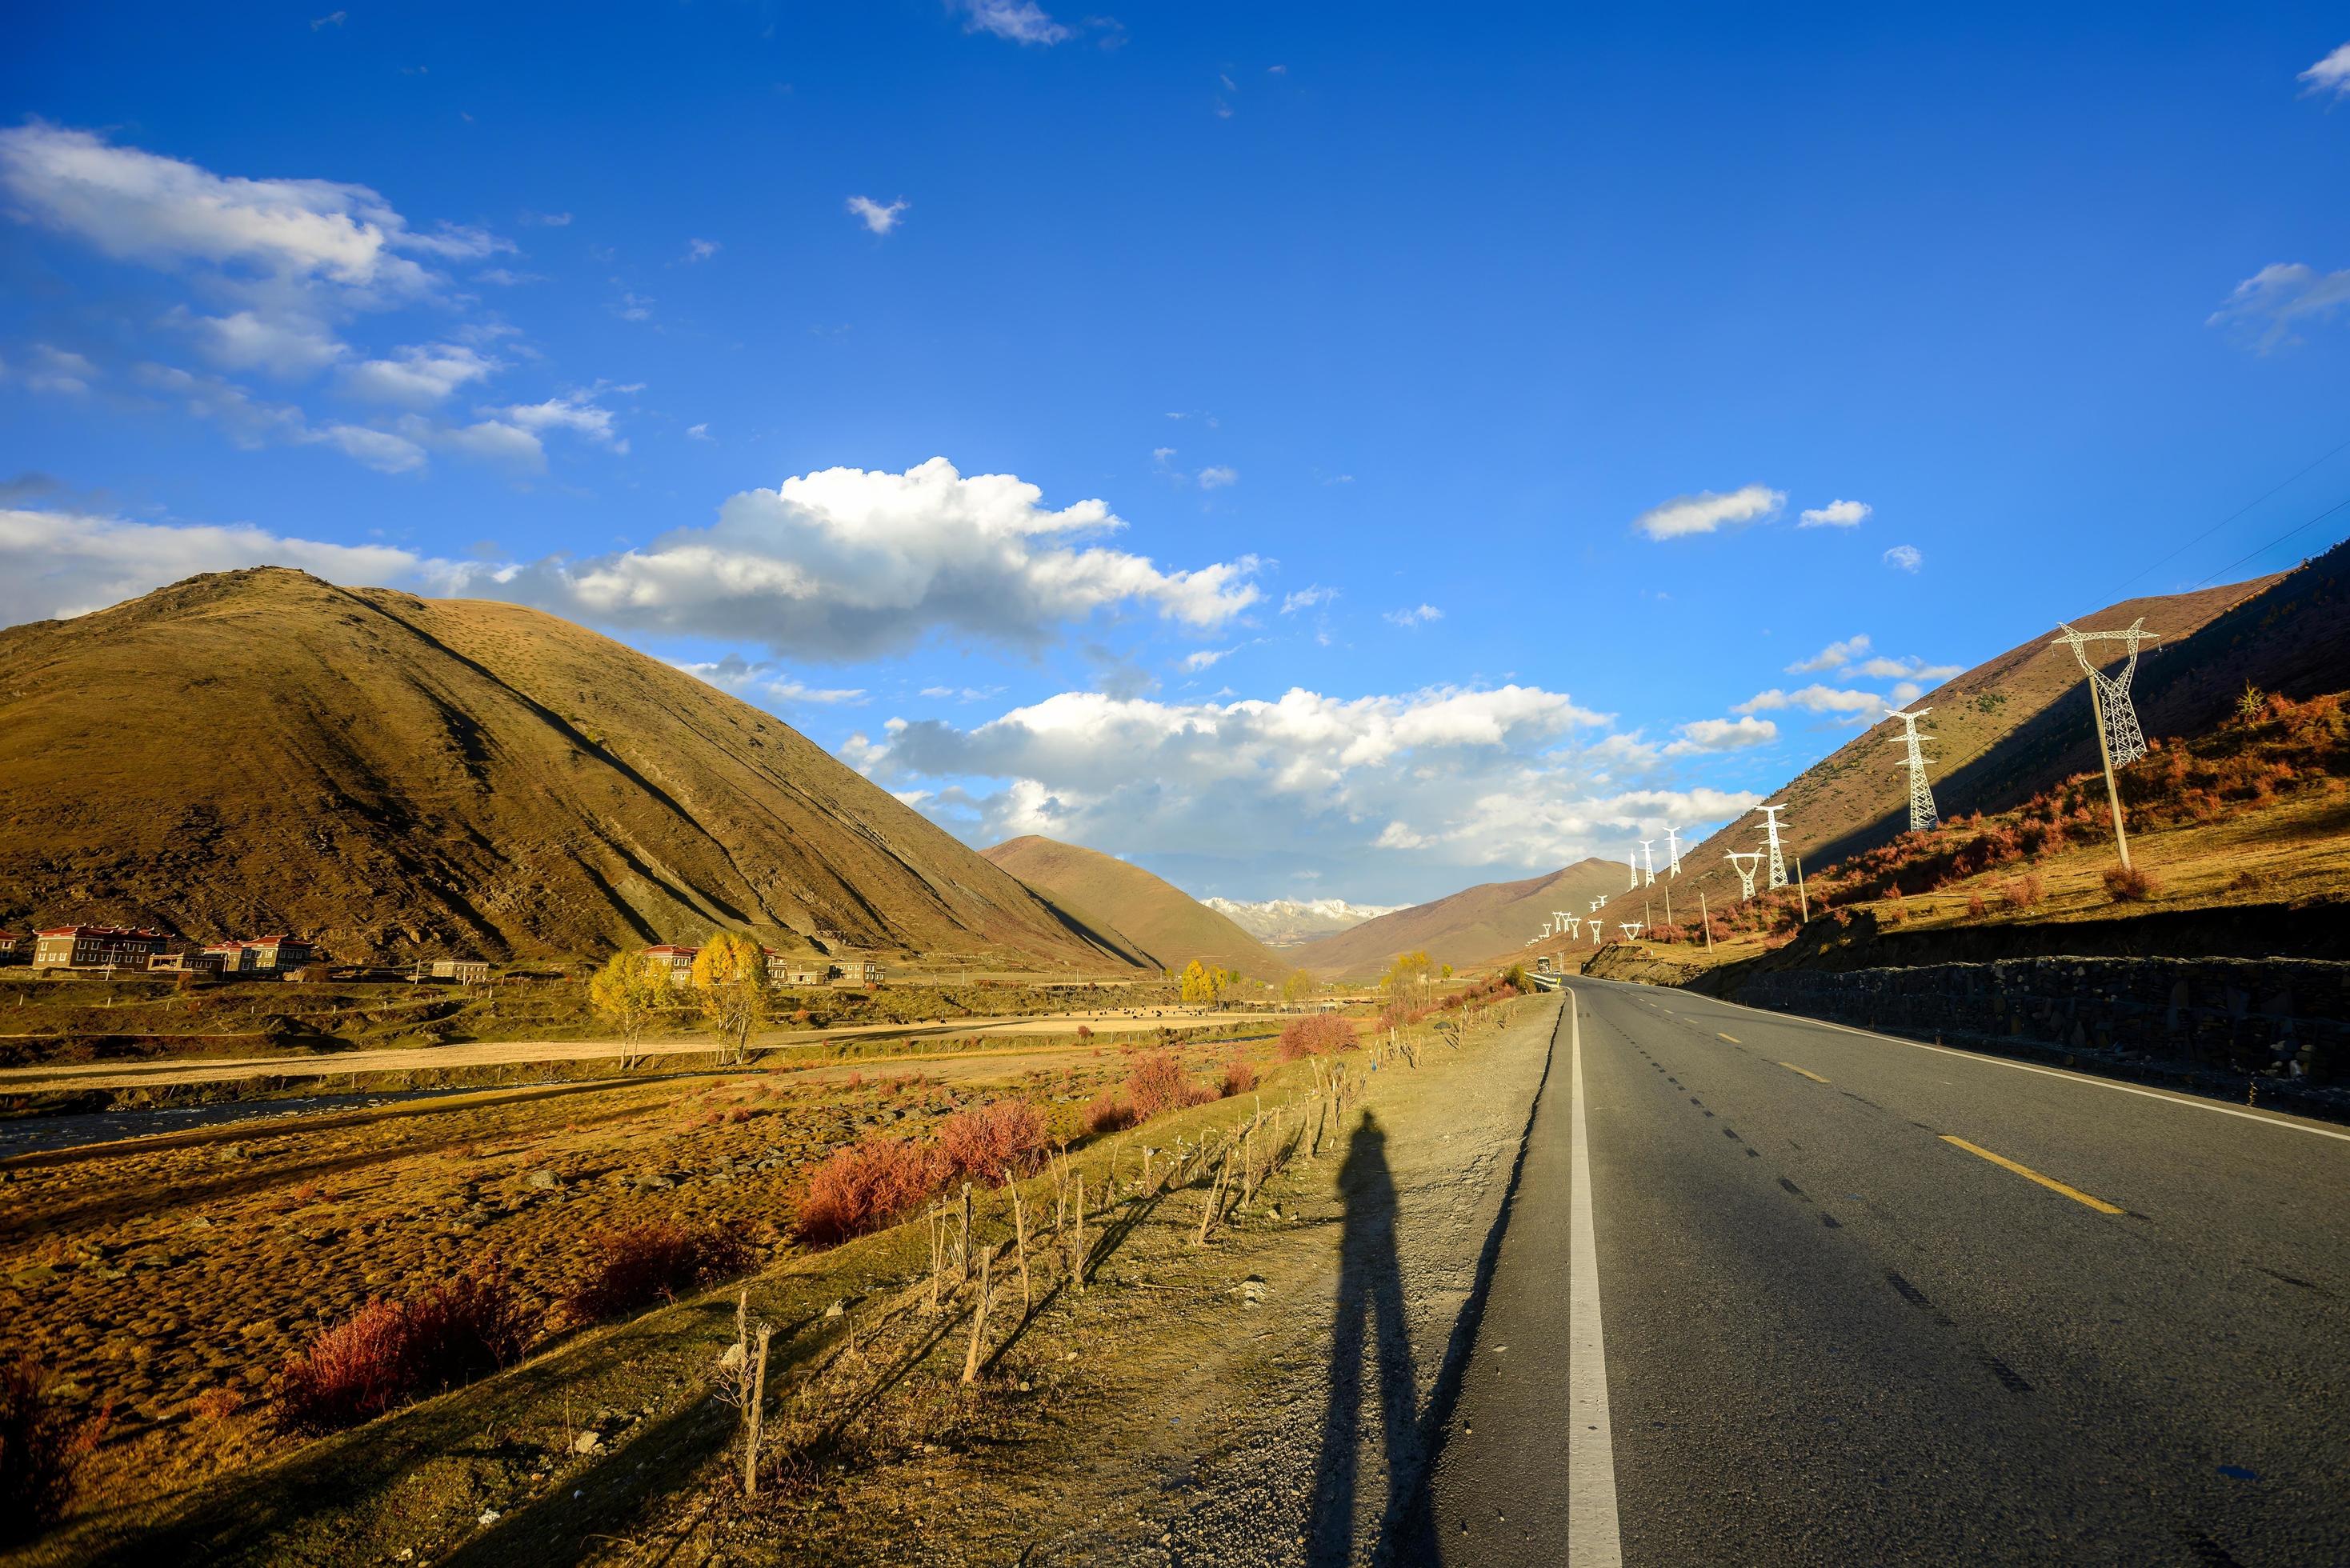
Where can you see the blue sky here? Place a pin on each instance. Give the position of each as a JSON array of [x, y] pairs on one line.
[[1313, 452]]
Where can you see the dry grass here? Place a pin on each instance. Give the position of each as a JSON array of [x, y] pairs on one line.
[[42, 1446]]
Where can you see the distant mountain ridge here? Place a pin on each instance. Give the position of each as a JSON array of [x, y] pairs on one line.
[[1129, 905], [401, 777], [1466, 927], [1288, 922]]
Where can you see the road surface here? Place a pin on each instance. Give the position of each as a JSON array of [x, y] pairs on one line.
[[1838, 1298]]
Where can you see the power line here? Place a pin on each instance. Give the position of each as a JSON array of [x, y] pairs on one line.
[[2275, 541], [2232, 516]]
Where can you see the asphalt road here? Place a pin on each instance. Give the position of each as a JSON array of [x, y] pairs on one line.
[[1845, 1299]]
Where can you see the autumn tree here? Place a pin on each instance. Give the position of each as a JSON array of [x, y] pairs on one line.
[[1298, 988], [730, 979], [629, 992], [1406, 979], [1202, 983]]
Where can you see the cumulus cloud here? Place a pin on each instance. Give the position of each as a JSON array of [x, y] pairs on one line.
[[1908, 667], [1813, 699], [1835, 514], [574, 412], [1904, 558], [2268, 307], [876, 217], [1205, 657], [419, 374], [48, 368], [1444, 776], [1021, 21], [760, 677], [59, 564], [2331, 74], [1722, 735], [849, 564], [1835, 656], [1708, 510], [1417, 616]]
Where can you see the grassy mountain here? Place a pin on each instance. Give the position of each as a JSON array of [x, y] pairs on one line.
[[2018, 723], [261, 750], [1154, 917], [1466, 927]]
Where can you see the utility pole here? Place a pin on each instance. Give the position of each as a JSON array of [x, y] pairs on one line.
[[1770, 829], [1669, 903], [1705, 918], [1802, 899], [2120, 741], [1922, 814]]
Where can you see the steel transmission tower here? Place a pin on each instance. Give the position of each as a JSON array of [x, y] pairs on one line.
[[1598, 905], [1672, 851], [2119, 741], [1633, 863], [1745, 861], [1922, 814], [1630, 929], [1770, 829], [1647, 863]]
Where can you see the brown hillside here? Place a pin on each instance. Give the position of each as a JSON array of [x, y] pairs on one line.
[[1467, 928], [1148, 914], [2018, 723], [259, 751]]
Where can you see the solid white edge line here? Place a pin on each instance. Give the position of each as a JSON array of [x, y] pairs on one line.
[[1593, 1539], [2185, 1101]]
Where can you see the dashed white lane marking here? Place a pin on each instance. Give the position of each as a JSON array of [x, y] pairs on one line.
[[1592, 1540]]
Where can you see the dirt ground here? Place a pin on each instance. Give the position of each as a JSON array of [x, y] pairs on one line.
[[1181, 1409]]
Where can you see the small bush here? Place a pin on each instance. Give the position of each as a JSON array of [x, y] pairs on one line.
[[984, 1142], [392, 1351], [42, 1446], [2130, 886], [863, 1188], [2249, 881], [1155, 1084], [1976, 908], [637, 1265], [2024, 892], [1240, 1077], [1085, 1032], [1316, 1035], [1108, 1112]]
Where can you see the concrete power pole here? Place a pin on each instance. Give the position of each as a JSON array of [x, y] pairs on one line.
[[2119, 740], [1778, 863], [1923, 817]]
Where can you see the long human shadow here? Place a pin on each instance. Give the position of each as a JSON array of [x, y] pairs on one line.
[[1370, 1304]]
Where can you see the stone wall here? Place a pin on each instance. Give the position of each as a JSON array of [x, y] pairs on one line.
[[2286, 1016]]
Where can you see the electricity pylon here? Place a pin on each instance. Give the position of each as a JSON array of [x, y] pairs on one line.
[[1633, 863], [1672, 851], [1574, 927], [1745, 861], [1778, 864], [1598, 905], [1647, 863], [1629, 928], [1922, 814], [2119, 741]]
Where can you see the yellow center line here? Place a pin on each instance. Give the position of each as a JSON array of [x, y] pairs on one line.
[[1731, 1038], [2025, 1171], [1815, 1078]]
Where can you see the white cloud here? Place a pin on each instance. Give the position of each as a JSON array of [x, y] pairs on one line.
[[1417, 617], [880, 219], [2331, 74], [1835, 656], [1307, 598], [1722, 735], [761, 678], [847, 563], [1021, 21], [59, 564], [1904, 558], [1218, 478], [1815, 699], [2265, 306], [496, 442], [380, 449], [1910, 667], [699, 432], [701, 250], [1708, 510], [1205, 658], [1835, 514], [572, 412], [633, 308], [419, 374], [56, 370], [1440, 777], [288, 346], [331, 20]]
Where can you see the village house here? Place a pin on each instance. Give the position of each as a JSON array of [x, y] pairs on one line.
[[783, 969], [858, 971], [96, 946], [186, 961], [261, 955], [16, 947], [680, 960], [464, 971]]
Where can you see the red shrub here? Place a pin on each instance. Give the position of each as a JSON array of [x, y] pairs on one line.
[[1154, 1084], [1239, 1077], [1976, 908], [1108, 1112], [1317, 1035], [637, 1265], [2024, 892], [863, 1188], [2130, 886], [1085, 1032], [42, 1446], [393, 1351], [987, 1141]]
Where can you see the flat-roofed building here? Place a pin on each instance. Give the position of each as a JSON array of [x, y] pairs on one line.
[[464, 971], [96, 946], [680, 960]]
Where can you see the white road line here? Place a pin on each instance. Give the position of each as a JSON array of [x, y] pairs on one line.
[[1592, 1538], [2181, 1100]]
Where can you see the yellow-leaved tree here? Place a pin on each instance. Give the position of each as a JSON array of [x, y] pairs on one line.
[[629, 992], [1203, 983], [1406, 979], [730, 977], [1298, 988]]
